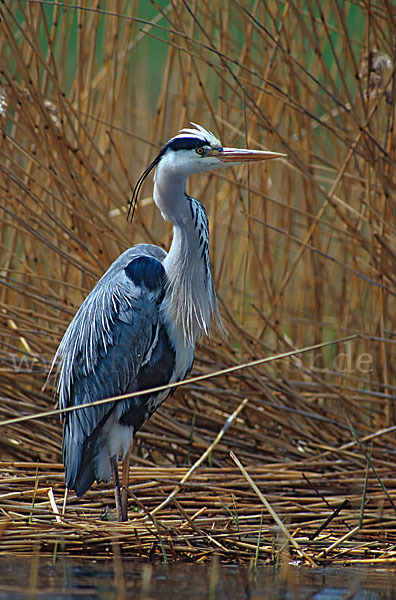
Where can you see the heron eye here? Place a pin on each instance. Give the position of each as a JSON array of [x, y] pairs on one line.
[[200, 151]]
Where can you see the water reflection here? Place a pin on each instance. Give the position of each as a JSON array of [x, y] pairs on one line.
[[38, 578]]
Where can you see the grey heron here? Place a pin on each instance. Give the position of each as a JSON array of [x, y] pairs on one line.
[[137, 328]]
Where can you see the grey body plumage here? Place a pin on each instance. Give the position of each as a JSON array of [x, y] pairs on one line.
[[137, 328], [106, 352]]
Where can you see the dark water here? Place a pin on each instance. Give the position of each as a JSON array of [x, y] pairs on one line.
[[118, 580]]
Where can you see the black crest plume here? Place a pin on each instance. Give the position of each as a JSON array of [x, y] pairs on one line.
[[138, 187]]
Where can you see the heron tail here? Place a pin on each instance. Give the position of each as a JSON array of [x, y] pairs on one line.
[[81, 460], [85, 477]]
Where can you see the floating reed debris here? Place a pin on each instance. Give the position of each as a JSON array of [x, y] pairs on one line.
[[303, 254], [216, 511]]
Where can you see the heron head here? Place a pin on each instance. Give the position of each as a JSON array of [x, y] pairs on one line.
[[197, 150]]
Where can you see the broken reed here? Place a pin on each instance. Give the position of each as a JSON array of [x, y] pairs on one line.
[[302, 252]]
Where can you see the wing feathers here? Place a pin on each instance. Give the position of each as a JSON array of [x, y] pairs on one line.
[[102, 352]]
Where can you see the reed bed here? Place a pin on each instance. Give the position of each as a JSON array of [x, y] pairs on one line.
[[216, 513], [303, 253]]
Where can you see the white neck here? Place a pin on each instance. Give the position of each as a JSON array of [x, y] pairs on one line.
[[190, 300]]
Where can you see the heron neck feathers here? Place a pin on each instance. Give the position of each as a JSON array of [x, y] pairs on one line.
[[190, 301]]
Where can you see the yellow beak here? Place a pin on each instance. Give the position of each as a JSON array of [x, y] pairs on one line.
[[241, 155]]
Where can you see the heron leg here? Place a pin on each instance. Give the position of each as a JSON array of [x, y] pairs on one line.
[[117, 490], [125, 481]]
